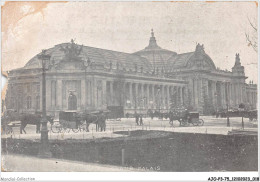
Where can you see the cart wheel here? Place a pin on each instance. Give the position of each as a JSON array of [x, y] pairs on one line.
[[55, 128], [67, 130], [196, 123], [9, 130], [184, 122], [75, 130], [201, 122]]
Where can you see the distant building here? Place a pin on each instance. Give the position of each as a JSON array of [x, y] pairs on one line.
[[86, 78]]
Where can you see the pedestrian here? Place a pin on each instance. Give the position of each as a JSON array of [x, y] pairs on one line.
[[141, 120], [127, 115], [136, 118]]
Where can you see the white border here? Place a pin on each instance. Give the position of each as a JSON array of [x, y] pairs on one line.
[[130, 176]]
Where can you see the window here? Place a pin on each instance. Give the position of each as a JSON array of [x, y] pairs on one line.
[[29, 102], [37, 102]]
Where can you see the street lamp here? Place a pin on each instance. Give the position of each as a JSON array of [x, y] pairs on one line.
[[86, 64], [44, 149]]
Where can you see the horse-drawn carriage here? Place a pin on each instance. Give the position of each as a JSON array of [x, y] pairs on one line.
[[192, 118], [185, 118], [68, 120], [72, 120]]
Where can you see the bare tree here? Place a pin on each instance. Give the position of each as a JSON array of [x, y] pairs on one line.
[[251, 37]]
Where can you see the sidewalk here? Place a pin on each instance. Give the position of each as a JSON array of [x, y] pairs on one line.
[[21, 163]]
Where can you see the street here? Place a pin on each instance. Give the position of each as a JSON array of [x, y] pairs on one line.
[[211, 125]]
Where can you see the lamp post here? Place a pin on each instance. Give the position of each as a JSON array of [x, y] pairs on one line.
[[86, 64], [44, 150]]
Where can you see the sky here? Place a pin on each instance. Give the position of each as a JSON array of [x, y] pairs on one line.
[[29, 27]]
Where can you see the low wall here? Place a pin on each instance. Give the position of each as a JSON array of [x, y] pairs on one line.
[[162, 151]]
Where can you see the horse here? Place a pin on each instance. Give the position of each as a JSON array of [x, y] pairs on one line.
[[180, 116], [33, 119], [174, 116], [99, 119]]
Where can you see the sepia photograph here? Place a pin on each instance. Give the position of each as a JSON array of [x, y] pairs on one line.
[[130, 87]]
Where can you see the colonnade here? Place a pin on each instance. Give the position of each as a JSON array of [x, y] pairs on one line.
[[252, 98], [98, 93], [219, 93], [138, 95]]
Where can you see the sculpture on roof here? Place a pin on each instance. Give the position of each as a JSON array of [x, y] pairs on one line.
[[237, 63], [199, 48], [152, 34], [72, 51]]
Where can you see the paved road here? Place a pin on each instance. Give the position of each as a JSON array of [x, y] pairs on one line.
[[212, 125], [21, 163]]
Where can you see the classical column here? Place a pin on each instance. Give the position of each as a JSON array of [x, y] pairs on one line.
[[242, 92], [199, 91], [104, 93], [59, 94], [136, 96], [95, 104], [163, 98], [213, 89], [230, 93], [130, 94], [153, 87], [142, 95], [148, 95], [223, 94], [238, 94], [83, 99], [123, 95], [175, 96], [234, 94], [53, 88], [252, 98], [168, 96], [186, 93], [89, 92], [48, 94], [196, 97], [111, 93], [181, 96]]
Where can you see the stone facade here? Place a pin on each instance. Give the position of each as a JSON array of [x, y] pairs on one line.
[[152, 78]]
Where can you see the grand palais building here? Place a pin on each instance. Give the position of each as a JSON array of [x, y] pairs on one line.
[[86, 78]]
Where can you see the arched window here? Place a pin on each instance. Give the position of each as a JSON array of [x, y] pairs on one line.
[[29, 102], [37, 102]]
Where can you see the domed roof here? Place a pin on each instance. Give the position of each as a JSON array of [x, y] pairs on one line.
[[96, 55], [156, 55], [197, 59]]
